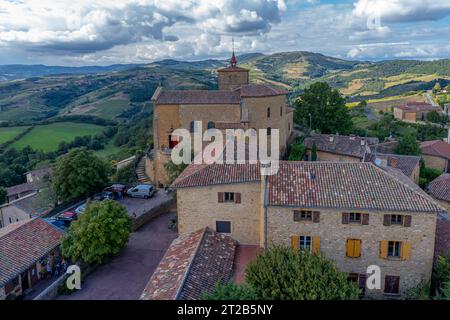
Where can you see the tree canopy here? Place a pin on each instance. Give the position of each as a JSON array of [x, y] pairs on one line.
[[100, 232], [79, 173], [282, 274], [408, 145], [324, 108]]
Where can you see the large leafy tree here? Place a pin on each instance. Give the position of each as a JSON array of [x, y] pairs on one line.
[[231, 291], [408, 145], [324, 109], [282, 274], [79, 173], [100, 232]]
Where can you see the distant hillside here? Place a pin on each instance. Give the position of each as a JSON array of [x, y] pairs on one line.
[[110, 92], [20, 71]]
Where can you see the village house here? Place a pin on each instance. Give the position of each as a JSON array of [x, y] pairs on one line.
[[408, 165], [414, 111], [236, 104], [34, 177], [25, 247], [439, 189], [334, 147], [357, 214], [23, 208], [436, 154]]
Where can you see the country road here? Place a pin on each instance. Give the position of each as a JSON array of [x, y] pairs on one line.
[[429, 96]]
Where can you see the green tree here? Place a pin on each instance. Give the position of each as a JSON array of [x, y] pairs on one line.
[[298, 151], [173, 170], [231, 291], [100, 232], [437, 87], [325, 108], [419, 292], [441, 273], [79, 173], [2, 195], [125, 175], [282, 274], [408, 145], [314, 152]]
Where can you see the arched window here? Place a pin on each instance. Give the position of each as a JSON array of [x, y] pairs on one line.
[[211, 125], [268, 112], [192, 126], [269, 131]]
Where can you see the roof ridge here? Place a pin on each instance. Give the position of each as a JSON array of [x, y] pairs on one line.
[[191, 261]]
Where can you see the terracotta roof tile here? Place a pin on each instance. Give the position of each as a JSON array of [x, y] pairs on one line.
[[440, 187], [344, 145], [437, 148], [322, 184], [406, 164], [417, 106], [192, 265], [23, 243]]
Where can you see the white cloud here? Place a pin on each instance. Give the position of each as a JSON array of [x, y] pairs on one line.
[[402, 10]]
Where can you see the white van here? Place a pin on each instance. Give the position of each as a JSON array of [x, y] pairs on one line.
[[141, 191]]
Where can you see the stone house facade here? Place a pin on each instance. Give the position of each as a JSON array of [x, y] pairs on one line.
[[357, 214]]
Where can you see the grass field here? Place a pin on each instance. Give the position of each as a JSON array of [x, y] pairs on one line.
[[111, 108], [109, 150], [48, 137], [7, 134]]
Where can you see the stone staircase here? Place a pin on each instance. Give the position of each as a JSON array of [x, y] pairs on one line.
[[140, 171]]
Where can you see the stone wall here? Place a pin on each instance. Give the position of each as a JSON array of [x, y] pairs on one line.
[[333, 235], [443, 235], [232, 80], [199, 207], [435, 162]]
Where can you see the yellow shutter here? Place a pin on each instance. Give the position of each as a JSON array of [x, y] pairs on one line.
[[406, 250], [350, 247], [357, 248], [316, 245], [294, 243], [384, 249]]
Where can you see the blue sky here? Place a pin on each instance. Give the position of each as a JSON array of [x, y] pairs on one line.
[[101, 32]]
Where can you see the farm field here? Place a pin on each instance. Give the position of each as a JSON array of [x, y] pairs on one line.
[[9, 133], [48, 137]]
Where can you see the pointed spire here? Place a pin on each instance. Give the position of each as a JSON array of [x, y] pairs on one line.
[[233, 57]]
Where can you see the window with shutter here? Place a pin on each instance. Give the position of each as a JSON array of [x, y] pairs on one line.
[[362, 283], [384, 249], [297, 215], [392, 284], [353, 248], [365, 219], [316, 216], [406, 250], [345, 216], [394, 249], [407, 221], [228, 196], [237, 197], [387, 220], [220, 196], [316, 245], [294, 243]]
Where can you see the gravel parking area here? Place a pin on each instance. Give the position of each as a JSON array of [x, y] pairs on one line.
[[139, 206], [125, 276]]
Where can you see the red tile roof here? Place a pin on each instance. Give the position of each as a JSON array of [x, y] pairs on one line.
[[343, 145], [436, 148], [192, 266], [440, 187], [321, 184], [406, 164], [162, 96], [24, 243], [417, 106], [232, 69]]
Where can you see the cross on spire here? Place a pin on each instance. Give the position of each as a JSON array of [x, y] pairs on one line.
[[233, 57]]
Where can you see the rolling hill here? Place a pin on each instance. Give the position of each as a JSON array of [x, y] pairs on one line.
[[42, 92]]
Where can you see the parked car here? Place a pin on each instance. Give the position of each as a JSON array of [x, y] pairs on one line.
[[141, 191], [116, 188], [67, 216], [80, 209], [103, 196]]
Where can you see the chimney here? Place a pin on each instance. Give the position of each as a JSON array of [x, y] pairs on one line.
[[331, 138], [394, 162], [363, 142]]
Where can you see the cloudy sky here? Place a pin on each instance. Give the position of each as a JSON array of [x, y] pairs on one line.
[[87, 32]]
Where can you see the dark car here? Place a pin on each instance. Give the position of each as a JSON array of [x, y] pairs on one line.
[[103, 196]]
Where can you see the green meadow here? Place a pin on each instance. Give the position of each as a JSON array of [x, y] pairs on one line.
[[9, 133], [48, 137]]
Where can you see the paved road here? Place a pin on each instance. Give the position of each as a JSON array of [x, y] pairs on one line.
[[126, 275], [429, 96]]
